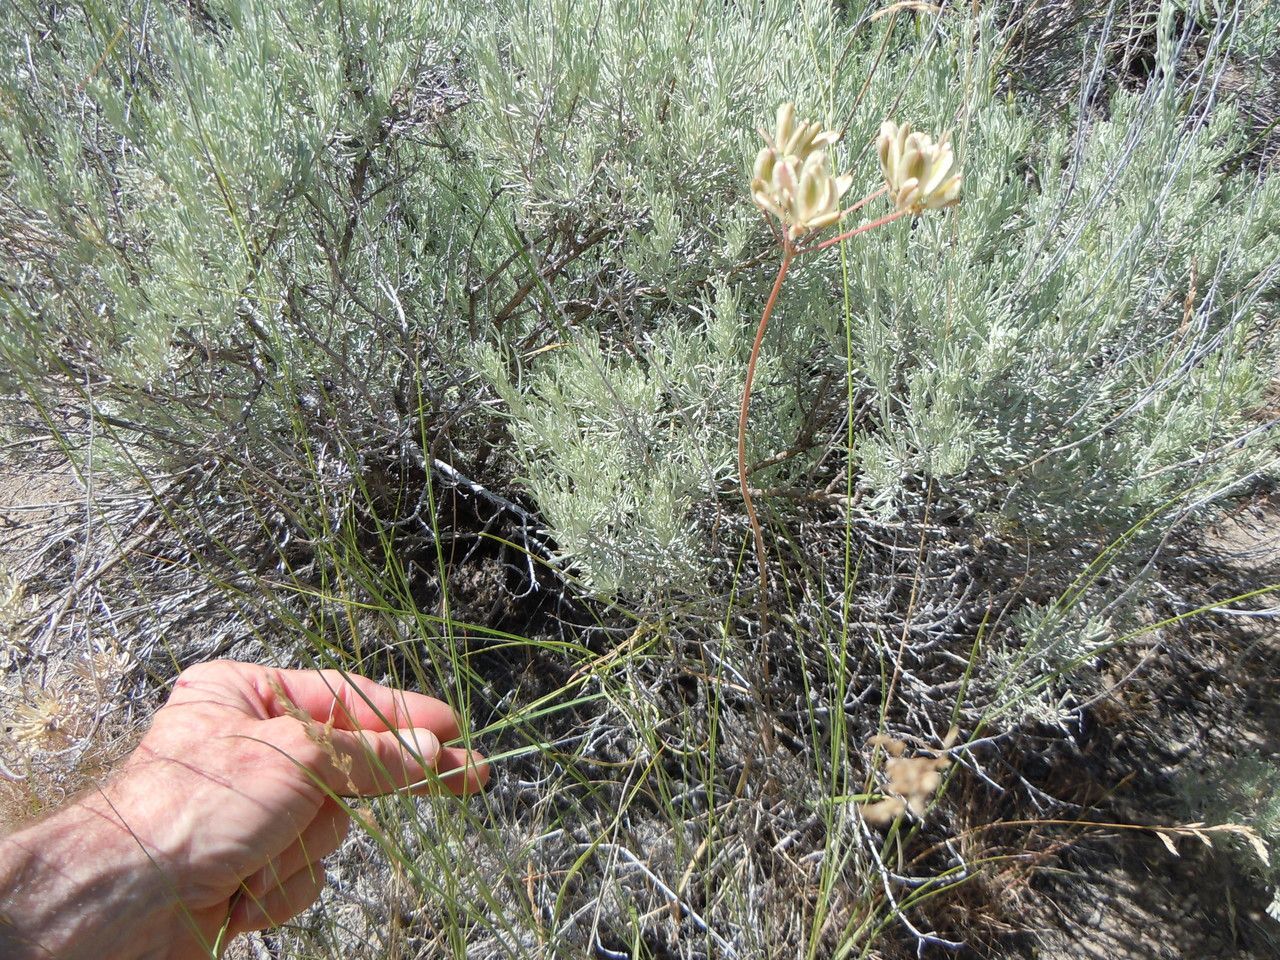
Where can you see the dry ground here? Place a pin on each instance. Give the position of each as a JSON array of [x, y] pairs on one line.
[[1111, 896], [1181, 723]]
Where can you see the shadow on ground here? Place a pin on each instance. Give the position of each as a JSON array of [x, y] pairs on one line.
[[1162, 750]]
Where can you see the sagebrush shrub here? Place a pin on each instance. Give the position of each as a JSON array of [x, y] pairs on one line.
[[298, 202]]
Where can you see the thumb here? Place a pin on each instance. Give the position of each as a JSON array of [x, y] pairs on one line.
[[373, 762]]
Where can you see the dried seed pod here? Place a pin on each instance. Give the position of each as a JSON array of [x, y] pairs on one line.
[[910, 782]]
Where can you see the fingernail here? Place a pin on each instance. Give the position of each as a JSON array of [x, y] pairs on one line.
[[424, 743]]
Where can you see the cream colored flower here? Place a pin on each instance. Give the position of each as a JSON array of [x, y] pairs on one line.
[[790, 178], [40, 720], [798, 140], [917, 170]]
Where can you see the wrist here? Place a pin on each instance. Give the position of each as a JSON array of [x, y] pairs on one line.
[[82, 884]]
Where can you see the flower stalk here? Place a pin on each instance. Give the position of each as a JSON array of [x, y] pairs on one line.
[[792, 184], [788, 254]]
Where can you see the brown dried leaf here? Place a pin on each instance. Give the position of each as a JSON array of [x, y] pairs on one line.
[[882, 812], [891, 745]]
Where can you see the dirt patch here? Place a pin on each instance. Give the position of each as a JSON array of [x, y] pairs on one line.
[[1164, 752]]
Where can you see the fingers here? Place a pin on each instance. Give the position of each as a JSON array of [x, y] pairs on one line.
[[321, 837], [462, 772], [357, 703], [365, 763], [379, 740], [281, 902], [371, 763]]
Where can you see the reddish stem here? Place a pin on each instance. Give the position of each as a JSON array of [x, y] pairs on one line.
[[788, 252], [864, 201], [887, 218]]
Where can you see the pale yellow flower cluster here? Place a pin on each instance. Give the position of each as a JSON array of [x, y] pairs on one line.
[[791, 179], [917, 171], [39, 720]]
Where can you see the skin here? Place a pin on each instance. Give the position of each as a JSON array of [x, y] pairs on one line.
[[224, 811]]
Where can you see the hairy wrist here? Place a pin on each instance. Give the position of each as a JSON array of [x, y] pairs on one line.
[[83, 883]]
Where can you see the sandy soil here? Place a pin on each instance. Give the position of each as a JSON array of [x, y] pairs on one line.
[[1126, 897]]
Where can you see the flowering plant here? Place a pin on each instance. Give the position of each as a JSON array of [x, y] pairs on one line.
[[792, 182], [917, 171], [791, 179]]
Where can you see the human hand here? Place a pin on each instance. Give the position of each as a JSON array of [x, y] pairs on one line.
[[227, 806]]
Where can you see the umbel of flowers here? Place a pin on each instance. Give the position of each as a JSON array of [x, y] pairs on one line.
[[917, 171], [791, 181]]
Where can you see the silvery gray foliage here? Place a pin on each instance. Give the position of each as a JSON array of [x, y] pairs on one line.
[[1044, 665], [1081, 341], [302, 204], [1245, 788]]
